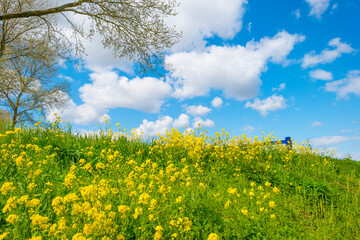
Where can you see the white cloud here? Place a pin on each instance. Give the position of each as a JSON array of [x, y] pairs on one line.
[[248, 129], [318, 7], [353, 155], [235, 70], [202, 19], [280, 88], [297, 13], [316, 124], [150, 129], [249, 27], [181, 121], [349, 130], [108, 90], [99, 59], [217, 102], [65, 77], [199, 110], [96, 57], [203, 123], [346, 86], [326, 56], [321, 74], [330, 140], [272, 103], [78, 114]]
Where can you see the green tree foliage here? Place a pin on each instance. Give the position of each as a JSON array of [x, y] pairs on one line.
[[32, 44]]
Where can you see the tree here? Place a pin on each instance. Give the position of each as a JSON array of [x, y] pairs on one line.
[[132, 28], [32, 43], [26, 82]]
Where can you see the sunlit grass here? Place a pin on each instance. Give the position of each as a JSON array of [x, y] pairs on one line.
[[57, 185]]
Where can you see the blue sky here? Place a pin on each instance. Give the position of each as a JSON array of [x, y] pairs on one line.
[[287, 67]]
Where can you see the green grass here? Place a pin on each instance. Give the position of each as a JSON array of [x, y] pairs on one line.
[[187, 186]]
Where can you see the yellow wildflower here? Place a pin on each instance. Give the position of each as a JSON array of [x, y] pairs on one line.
[[78, 236], [7, 187], [138, 211], [10, 205], [179, 199], [232, 190], [2, 236], [213, 236], [272, 204], [12, 218], [143, 198]]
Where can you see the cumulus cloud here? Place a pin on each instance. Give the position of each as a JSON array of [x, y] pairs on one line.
[[316, 124], [239, 68], [149, 129], [108, 90], [217, 102], [321, 74], [272, 103], [280, 88], [344, 87], [327, 56], [96, 57], [330, 140], [202, 19], [318, 7], [248, 129], [199, 110], [99, 59], [78, 114], [181, 121], [203, 123]]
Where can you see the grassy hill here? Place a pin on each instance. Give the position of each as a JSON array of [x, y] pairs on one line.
[[57, 185]]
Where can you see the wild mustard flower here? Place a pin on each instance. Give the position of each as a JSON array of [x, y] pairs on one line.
[[213, 236], [276, 190], [12, 218], [272, 204], [7, 187], [138, 211], [227, 204], [11, 204], [244, 211], [78, 236], [232, 190], [41, 221], [144, 198], [179, 199], [36, 238], [151, 217], [23, 199], [3, 235]]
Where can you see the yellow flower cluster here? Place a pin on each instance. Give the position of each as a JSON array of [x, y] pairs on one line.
[[122, 188]]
